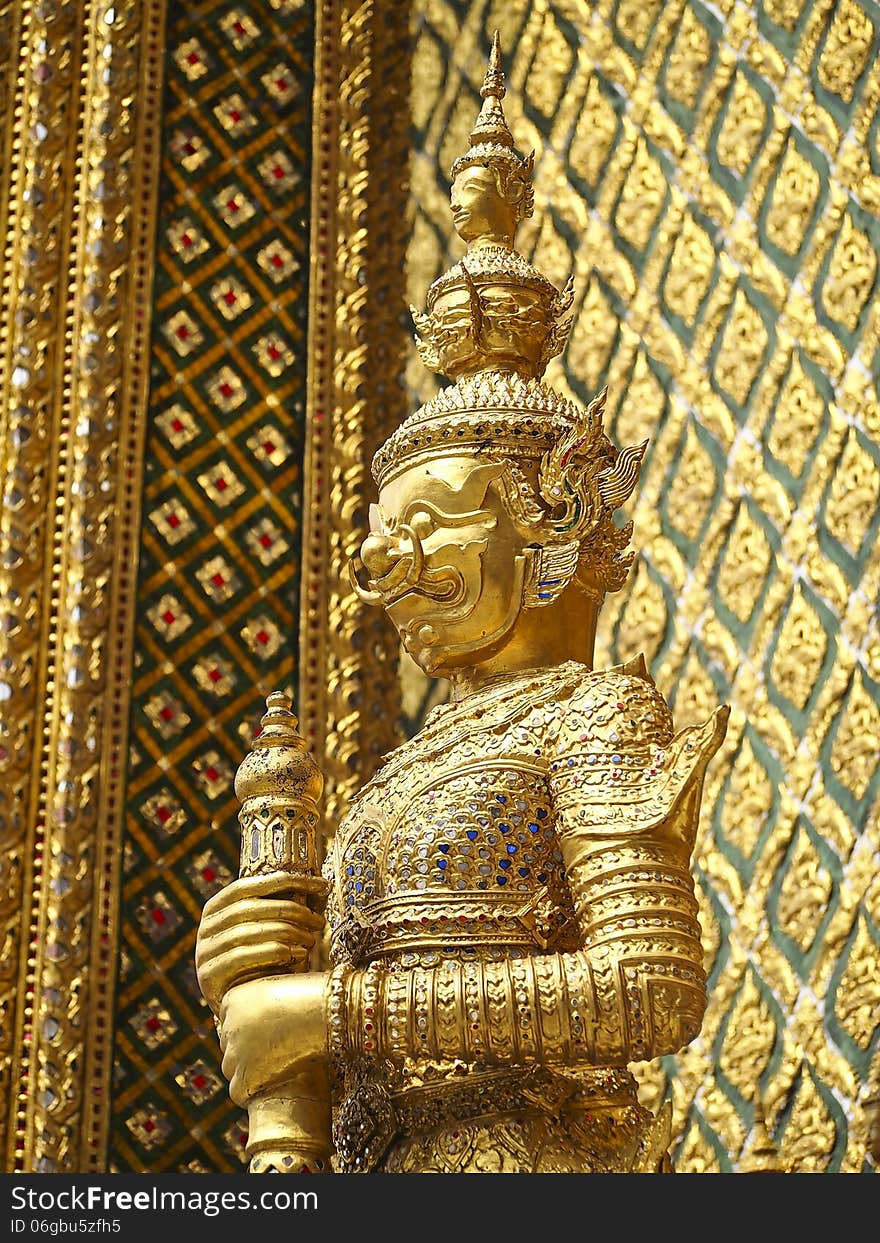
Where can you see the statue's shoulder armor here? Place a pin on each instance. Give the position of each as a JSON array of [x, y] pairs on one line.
[[619, 768], [616, 709]]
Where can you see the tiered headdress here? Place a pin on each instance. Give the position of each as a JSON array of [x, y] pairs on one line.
[[491, 139], [492, 324]]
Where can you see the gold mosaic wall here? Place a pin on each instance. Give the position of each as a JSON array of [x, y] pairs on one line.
[[218, 572], [80, 84], [711, 179]]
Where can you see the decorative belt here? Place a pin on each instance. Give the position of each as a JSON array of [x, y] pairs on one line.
[[370, 1116]]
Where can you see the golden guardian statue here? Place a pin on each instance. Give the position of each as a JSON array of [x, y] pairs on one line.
[[511, 911]]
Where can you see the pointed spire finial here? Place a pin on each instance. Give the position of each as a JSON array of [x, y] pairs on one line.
[[491, 126], [493, 82]]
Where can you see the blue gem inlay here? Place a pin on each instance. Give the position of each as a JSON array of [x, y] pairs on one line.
[[472, 834]]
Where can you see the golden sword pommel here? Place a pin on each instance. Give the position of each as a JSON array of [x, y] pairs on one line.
[[279, 786]]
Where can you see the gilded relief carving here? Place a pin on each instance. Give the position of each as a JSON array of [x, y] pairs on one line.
[[759, 491], [78, 257], [794, 201], [742, 126], [847, 48]]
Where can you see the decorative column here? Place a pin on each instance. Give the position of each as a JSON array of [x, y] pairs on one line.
[[349, 698], [79, 87]]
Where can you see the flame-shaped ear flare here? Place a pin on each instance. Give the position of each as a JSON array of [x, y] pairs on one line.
[[568, 478], [561, 316], [424, 340], [475, 306], [616, 483], [581, 481]]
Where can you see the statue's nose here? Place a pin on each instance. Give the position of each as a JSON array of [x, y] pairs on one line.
[[379, 556]]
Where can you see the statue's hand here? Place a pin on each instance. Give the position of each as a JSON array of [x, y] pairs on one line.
[[270, 1031], [249, 930]]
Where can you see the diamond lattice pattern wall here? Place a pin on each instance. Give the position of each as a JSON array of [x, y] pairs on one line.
[[710, 176], [219, 569]]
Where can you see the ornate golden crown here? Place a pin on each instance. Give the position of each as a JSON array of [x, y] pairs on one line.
[[491, 139], [492, 324]]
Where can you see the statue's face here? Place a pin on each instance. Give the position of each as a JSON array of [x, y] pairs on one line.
[[478, 209], [446, 562]]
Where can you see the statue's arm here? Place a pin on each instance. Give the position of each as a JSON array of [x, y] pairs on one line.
[[635, 989]]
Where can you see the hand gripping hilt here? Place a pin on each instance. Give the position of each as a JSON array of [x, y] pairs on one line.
[[279, 786]]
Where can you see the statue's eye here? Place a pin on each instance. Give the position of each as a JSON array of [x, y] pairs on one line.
[[422, 523]]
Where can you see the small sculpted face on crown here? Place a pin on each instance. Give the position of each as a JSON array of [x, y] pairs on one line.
[[492, 311], [484, 209], [446, 561]]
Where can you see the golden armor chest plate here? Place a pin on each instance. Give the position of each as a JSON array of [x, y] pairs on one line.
[[451, 850]]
